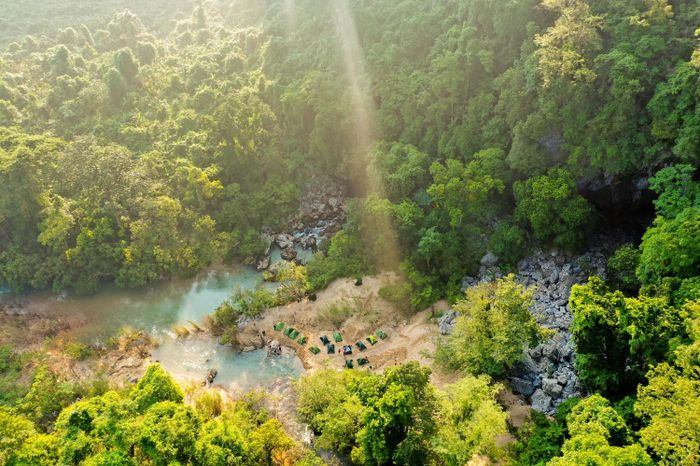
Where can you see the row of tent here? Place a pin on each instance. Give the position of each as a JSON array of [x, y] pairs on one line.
[[360, 362], [347, 349], [290, 332], [293, 334]]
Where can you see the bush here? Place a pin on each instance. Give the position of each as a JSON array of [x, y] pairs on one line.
[[78, 351], [508, 243], [11, 367], [398, 294], [621, 269], [336, 314]]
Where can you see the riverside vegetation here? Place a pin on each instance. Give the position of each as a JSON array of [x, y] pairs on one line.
[[134, 149]]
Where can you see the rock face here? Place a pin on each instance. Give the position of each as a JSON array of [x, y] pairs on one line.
[[447, 321], [546, 374], [274, 348], [211, 375]]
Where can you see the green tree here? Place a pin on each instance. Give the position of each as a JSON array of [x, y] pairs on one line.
[[155, 386], [493, 329], [471, 420], [550, 206], [599, 436]]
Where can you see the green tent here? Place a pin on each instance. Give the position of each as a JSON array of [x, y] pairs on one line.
[[294, 334], [325, 340], [381, 334], [279, 326], [302, 340], [331, 348], [315, 349], [287, 331], [337, 337], [361, 346], [372, 340], [348, 363], [362, 361]]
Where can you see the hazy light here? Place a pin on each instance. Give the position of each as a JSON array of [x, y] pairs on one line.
[[290, 8], [365, 179]]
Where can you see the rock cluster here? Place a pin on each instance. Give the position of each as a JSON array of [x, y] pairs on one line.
[[274, 347], [321, 214], [546, 374]]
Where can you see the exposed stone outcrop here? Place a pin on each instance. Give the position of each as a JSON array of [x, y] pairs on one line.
[[546, 374], [321, 215], [274, 347]]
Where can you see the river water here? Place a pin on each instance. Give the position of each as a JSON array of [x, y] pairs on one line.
[[176, 302]]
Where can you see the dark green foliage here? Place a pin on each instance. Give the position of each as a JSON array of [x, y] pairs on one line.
[[348, 253], [12, 367], [621, 269], [556, 214], [508, 243], [618, 338], [541, 440]]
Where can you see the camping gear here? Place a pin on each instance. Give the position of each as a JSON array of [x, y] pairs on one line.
[[325, 340], [279, 326], [302, 340], [348, 363], [358, 281], [372, 340], [362, 361], [361, 346], [315, 349], [381, 334], [337, 337], [331, 348], [347, 349]]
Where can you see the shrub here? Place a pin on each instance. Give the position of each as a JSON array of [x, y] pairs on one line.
[[508, 243], [621, 269]]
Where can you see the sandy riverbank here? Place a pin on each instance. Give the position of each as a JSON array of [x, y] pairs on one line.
[[411, 336]]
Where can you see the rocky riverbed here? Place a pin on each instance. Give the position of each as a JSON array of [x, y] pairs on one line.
[[321, 214], [546, 375]]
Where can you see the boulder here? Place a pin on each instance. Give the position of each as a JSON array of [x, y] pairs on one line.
[[264, 263], [541, 401], [284, 241], [551, 387], [446, 322], [211, 375], [274, 348], [289, 254], [489, 260], [522, 386]]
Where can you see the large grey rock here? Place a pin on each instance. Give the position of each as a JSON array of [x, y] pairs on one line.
[[541, 401], [489, 260], [551, 387], [264, 263], [289, 254], [446, 322], [522, 386], [284, 241], [274, 347]]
